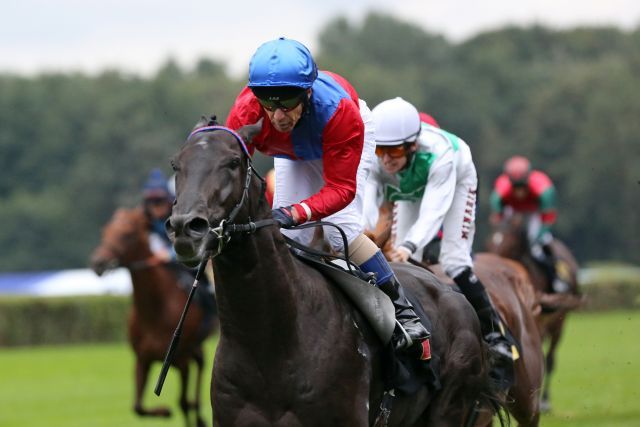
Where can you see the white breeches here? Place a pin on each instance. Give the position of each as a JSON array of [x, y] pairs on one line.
[[458, 225]]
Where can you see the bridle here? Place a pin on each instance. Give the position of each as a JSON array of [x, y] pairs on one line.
[[222, 234], [226, 228]]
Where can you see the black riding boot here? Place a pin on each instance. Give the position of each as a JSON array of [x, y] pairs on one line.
[[409, 332], [490, 323], [414, 331]]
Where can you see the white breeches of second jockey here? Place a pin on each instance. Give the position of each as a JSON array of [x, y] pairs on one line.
[[458, 226], [297, 180]]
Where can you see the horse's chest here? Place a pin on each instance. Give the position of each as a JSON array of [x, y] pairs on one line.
[[286, 398]]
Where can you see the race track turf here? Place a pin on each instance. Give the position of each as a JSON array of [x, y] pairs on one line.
[[596, 384]]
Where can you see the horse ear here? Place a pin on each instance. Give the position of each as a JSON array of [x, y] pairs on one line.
[[206, 121], [249, 131]]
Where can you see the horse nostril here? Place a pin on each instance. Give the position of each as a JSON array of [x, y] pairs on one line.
[[168, 227], [197, 227]]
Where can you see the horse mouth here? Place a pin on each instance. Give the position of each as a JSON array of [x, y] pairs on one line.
[[189, 251]]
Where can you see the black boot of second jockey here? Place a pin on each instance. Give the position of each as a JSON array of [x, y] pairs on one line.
[[413, 336], [491, 326]]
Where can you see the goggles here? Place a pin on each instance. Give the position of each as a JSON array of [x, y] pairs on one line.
[[285, 105], [393, 151], [156, 201]]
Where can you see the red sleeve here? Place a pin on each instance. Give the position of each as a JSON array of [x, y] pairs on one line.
[[503, 186], [342, 142], [539, 182], [549, 217], [245, 111], [428, 119]]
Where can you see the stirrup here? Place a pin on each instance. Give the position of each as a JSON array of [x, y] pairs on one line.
[[408, 342]]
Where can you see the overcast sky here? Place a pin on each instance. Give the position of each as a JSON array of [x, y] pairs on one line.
[[139, 35]]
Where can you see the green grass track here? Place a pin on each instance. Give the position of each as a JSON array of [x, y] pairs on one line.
[[597, 381]]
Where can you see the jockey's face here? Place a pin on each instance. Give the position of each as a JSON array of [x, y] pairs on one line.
[[284, 119], [391, 162], [284, 122], [158, 208]]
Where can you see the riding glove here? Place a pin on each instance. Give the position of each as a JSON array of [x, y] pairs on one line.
[[284, 216]]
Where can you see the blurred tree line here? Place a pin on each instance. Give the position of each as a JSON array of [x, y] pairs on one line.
[[74, 147]]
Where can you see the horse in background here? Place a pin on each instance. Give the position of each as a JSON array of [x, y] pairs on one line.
[[158, 300], [509, 239], [512, 293], [293, 349]]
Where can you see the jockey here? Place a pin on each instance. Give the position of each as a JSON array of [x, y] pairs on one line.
[[157, 200], [520, 189], [435, 185], [322, 139], [158, 197]]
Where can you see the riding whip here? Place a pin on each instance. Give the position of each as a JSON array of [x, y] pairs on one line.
[[168, 358]]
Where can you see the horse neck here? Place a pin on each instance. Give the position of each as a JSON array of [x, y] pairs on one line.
[[153, 285], [257, 284]]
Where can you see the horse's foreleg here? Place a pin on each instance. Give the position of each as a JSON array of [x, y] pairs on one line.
[[555, 332], [199, 359], [184, 386], [142, 373]]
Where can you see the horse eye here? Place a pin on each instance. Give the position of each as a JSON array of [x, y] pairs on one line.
[[174, 166], [234, 163]]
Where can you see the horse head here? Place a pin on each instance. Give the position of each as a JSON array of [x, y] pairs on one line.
[[124, 241], [509, 237], [214, 187]]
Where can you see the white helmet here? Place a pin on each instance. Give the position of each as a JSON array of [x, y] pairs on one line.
[[396, 121]]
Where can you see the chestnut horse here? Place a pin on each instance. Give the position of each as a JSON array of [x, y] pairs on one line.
[[158, 300], [509, 239], [512, 293], [293, 350]]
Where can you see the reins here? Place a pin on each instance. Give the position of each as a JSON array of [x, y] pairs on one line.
[[226, 229]]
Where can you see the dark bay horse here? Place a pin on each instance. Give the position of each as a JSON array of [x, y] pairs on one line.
[[512, 293], [157, 304], [293, 350], [509, 239]]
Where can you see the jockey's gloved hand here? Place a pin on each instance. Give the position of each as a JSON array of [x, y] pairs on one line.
[[284, 216]]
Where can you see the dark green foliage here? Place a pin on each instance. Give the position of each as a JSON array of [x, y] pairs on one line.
[[569, 100], [74, 147], [38, 321]]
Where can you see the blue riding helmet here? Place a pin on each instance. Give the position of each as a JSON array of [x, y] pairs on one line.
[[156, 186], [282, 62]]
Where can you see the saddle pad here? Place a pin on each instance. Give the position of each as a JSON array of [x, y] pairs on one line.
[[374, 305]]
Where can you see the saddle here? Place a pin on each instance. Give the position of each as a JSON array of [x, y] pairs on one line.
[[403, 373]]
